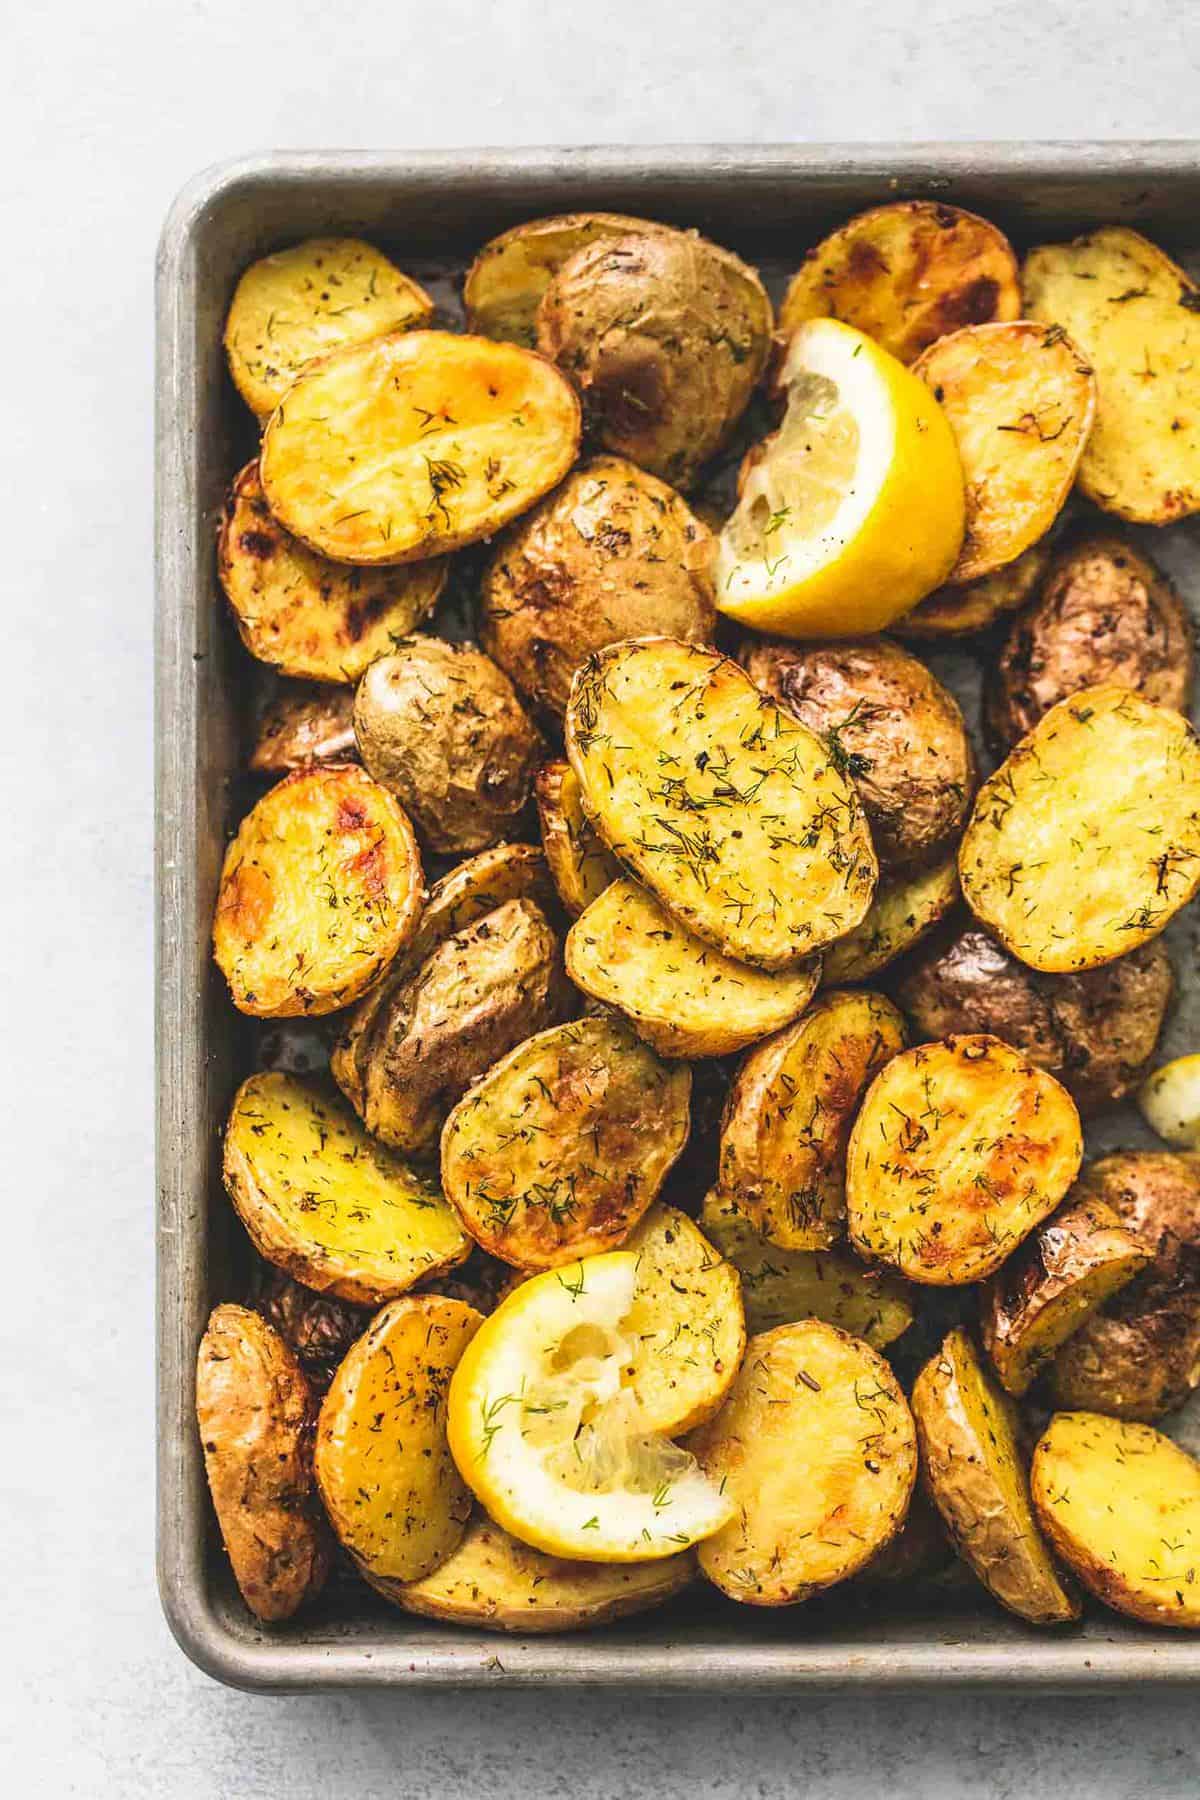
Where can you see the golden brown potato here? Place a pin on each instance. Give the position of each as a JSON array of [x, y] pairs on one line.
[[788, 1118], [560, 1148], [255, 1412], [1063, 1271], [1020, 399], [681, 995], [317, 1328], [664, 335], [686, 1327], [959, 1150], [511, 273], [730, 811], [307, 722], [907, 274], [1133, 313], [320, 889], [1121, 1505], [890, 726], [313, 297], [383, 1463], [1105, 614], [580, 865], [1095, 1031], [440, 440], [1086, 842], [440, 727], [954, 612], [976, 1476], [906, 906], [611, 554], [325, 1202], [817, 1446]]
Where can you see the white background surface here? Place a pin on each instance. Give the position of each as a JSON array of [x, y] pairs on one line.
[[107, 109]]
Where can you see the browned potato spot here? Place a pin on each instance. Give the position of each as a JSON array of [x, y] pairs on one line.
[[905, 907], [317, 1328], [686, 1325], [306, 723], [972, 606], [580, 865], [511, 273]]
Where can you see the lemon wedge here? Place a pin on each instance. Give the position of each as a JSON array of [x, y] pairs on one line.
[[1170, 1102], [543, 1425], [854, 510]]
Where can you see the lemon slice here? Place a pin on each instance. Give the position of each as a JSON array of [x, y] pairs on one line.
[[543, 1425], [1170, 1102], [854, 511]]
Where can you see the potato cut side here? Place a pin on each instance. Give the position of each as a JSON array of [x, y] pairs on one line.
[[731, 812], [788, 1118], [907, 274], [560, 1148], [781, 1286], [326, 1202], [1136, 317], [1020, 399], [1120, 1503], [976, 1477], [505, 283], [681, 995], [1087, 840], [311, 298], [383, 1461], [686, 1326], [817, 1447], [972, 606], [415, 444], [580, 865], [905, 908], [959, 1150], [319, 890]]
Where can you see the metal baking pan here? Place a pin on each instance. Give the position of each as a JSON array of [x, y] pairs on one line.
[[434, 209]]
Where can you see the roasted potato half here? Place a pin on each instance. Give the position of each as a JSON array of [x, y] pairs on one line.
[[731, 812], [1133, 313], [1086, 842], [320, 889], [383, 1462], [1120, 1504], [907, 274], [686, 1327], [817, 1446], [580, 865], [976, 1477], [317, 1328], [307, 722], [440, 726], [255, 1411], [325, 1202], [906, 907], [560, 1148], [611, 554], [959, 1150], [681, 995], [300, 302], [505, 283], [953, 612], [440, 440]]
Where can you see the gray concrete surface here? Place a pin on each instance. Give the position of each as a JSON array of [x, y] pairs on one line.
[[107, 109]]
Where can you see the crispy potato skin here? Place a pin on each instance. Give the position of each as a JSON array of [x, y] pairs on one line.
[[665, 336], [1105, 614], [307, 722], [611, 554], [1095, 1031], [255, 1413], [440, 726], [320, 889], [686, 1325], [580, 865], [317, 1328], [954, 612], [907, 274], [906, 907], [817, 1445], [960, 1148], [511, 273], [890, 725], [976, 1477]]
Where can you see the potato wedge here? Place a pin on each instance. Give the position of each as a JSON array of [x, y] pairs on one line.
[[907, 274], [731, 812], [326, 1203], [307, 722], [319, 890], [383, 1464], [1120, 1503], [255, 1411], [313, 297], [959, 1150], [681, 995], [1068, 1267], [686, 1324], [580, 865], [976, 1477], [1020, 399], [560, 1148], [817, 1446], [954, 612], [788, 1118], [1087, 840], [781, 1286], [906, 906], [440, 440], [1133, 313], [505, 283]]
